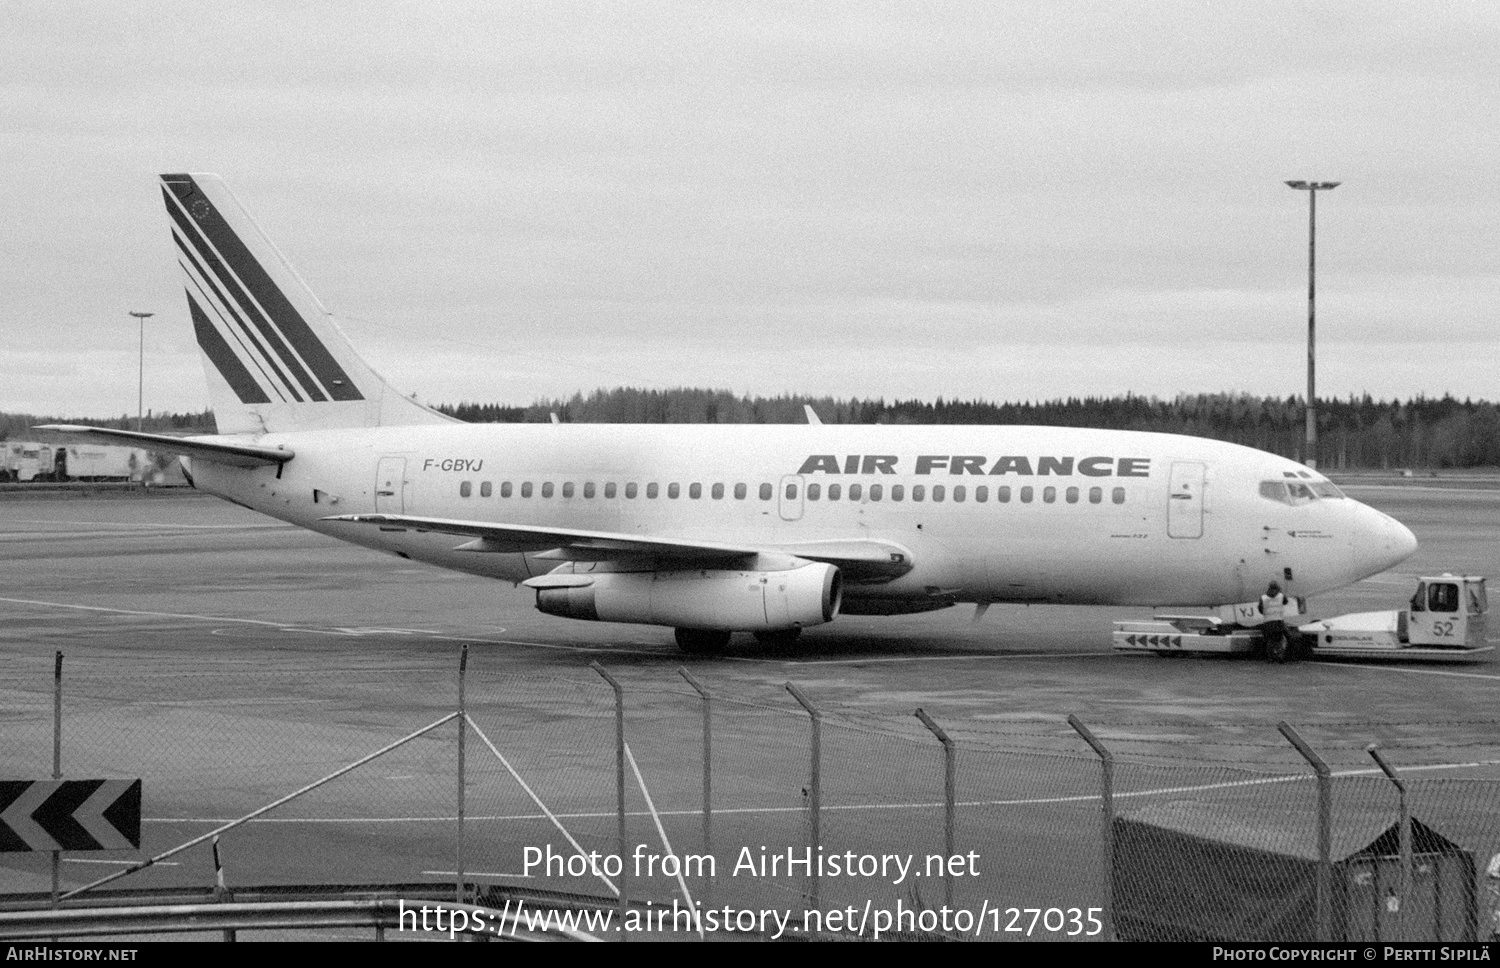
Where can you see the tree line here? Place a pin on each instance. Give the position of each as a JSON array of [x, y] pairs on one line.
[[1357, 433]]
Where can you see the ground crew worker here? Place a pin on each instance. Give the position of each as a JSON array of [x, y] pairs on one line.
[[1273, 623]]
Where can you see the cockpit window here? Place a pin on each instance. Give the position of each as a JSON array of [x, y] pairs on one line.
[[1297, 493]]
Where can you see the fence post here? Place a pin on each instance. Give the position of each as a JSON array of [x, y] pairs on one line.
[[1107, 819], [221, 889], [949, 798], [57, 762], [815, 795], [1405, 884], [708, 782], [1323, 913], [463, 728], [619, 783]]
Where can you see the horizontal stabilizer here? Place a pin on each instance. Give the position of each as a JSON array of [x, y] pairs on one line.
[[218, 449]]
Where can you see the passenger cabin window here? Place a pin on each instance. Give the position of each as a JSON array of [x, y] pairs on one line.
[[791, 492], [631, 490], [568, 489], [547, 489], [982, 493], [695, 491], [486, 489], [1072, 495], [876, 491], [959, 492], [898, 492], [767, 492], [674, 491], [740, 491], [814, 491], [1096, 495], [938, 492], [505, 489], [919, 492], [652, 490], [1002, 494], [588, 489], [465, 489], [1049, 494], [609, 489], [855, 491], [835, 491], [526, 489], [1026, 494], [1118, 496], [718, 492]]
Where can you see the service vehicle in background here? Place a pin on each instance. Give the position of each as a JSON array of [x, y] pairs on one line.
[[1444, 622]]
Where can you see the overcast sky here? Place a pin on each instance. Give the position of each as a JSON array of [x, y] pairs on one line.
[[502, 201]]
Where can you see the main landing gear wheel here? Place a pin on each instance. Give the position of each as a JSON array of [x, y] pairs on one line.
[[778, 636], [702, 641]]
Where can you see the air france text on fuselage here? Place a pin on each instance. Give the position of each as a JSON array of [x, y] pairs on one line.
[[959, 464]]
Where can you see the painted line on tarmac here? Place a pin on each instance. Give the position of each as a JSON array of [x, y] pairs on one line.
[[353, 631], [850, 807], [943, 658], [514, 877], [85, 860], [129, 611], [1419, 672], [1419, 487], [168, 526]]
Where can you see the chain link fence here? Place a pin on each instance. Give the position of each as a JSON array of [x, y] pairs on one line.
[[739, 797]]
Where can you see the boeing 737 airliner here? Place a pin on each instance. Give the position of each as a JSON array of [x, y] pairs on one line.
[[717, 529]]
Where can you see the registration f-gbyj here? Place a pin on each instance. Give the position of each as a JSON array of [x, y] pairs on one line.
[[717, 529]]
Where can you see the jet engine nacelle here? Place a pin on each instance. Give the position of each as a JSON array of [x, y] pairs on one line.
[[698, 599]]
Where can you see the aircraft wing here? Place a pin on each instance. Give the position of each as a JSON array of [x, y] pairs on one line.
[[863, 560], [575, 545], [219, 450]]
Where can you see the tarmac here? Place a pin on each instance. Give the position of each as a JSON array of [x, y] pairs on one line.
[[229, 659]]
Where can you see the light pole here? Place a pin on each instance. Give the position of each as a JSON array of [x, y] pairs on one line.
[[1312, 189], [140, 394]]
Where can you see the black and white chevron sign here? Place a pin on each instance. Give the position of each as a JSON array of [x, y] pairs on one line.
[[70, 815]]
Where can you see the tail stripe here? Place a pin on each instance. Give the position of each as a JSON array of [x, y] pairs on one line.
[[223, 358], [240, 336], [241, 298], [335, 382], [201, 278]]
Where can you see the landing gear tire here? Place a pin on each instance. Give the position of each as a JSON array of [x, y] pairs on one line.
[[702, 641], [778, 636], [1278, 647]]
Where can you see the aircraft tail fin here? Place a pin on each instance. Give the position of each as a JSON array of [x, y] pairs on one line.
[[274, 357]]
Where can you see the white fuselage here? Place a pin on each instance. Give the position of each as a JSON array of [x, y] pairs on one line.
[[1027, 514]]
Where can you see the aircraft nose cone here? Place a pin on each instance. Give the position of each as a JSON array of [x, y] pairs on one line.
[[1383, 543], [1404, 543]]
